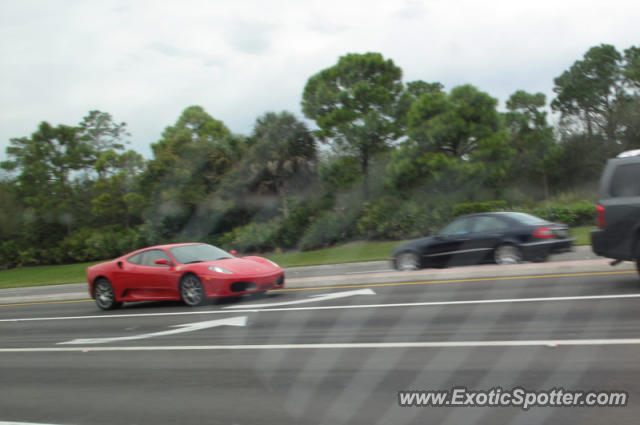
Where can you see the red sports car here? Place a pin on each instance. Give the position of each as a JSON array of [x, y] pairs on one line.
[[191, 272]]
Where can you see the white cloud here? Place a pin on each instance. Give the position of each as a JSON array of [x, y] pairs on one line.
[[145, 61]]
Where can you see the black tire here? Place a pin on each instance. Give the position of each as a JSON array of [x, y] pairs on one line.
[[105, 295], [192, 291], [407, 260], [507, 254]]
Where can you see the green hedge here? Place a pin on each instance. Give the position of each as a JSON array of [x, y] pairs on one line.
[[477, 207], [392, 218], [581, 213]]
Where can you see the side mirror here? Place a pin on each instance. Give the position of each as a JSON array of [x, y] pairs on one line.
[[162, 262], [233, 252]]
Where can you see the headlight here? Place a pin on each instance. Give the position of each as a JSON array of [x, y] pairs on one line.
[[219, 270], [272, 262]]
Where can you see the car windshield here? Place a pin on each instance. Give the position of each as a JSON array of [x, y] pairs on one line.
[[186, 254], [524, 218]]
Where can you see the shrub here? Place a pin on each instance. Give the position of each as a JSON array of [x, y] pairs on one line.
[[477, 207], [9, 254], [574, 214], [255, 237], [293, 227], [97, 244], [332, 227], [391, 218]]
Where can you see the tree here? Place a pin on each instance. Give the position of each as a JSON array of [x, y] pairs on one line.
[[531, 137], [188, 167], [455, 140], [412, 92], [283, 156], [592, 91], [354, 104], [632, 66], [456, 124], [44, 164], [190, 158], [116, 194], [101, 133]]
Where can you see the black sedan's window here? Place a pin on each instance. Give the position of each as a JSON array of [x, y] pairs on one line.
[[458, 227], [489, 224], [528, 219]]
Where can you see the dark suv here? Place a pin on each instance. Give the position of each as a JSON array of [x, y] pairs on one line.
[[618, 210]]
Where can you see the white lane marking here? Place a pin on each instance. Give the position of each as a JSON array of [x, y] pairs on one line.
[[187, 327], [23, 423], [554, 343], [335, 307], [312, 299]]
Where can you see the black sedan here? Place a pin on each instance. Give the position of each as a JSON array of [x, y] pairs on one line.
[[500, 237]]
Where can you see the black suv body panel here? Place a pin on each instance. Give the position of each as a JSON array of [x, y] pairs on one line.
[[620, 197]]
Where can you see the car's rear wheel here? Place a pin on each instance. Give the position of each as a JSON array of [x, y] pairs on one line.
[[507, 254], [104, 294], [408, 261], [192, 291]]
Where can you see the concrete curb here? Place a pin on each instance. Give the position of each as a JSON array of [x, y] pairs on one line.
[[78, 291]]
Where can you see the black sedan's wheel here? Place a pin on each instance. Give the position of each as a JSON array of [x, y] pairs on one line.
[[104, 294], [192, 291], [507, 254], [408, 261]]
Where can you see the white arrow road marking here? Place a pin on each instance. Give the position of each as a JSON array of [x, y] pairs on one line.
[[187, 327], [312, 299]]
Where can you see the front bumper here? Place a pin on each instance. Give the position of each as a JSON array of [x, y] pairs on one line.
[[234, 286]]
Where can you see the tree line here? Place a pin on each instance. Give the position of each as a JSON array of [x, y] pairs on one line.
[[386, 159]]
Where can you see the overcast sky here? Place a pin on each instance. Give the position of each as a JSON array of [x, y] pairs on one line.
[[146, 61]]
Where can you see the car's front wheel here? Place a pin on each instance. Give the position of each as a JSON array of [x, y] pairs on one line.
[[408, 261], [104, 294], [507, 254], [192, 291]]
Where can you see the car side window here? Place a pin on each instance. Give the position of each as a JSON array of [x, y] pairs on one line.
[[135, 259], [489, 224], [459, 227], [149, 257], [625, 181]]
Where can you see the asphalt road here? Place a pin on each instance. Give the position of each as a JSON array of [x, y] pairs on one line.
[[580, 259], [330, 356]]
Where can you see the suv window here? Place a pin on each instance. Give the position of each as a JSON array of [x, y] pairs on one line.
[[625, 181]]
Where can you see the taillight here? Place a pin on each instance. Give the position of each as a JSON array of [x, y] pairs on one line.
[[600, 212], [543, 232]]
